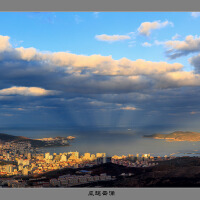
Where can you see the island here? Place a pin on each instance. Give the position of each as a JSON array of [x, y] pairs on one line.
[[177, 136]]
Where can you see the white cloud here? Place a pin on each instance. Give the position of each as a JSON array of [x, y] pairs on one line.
[[26, 54], [180, 48], [77, 73], [146, 44], [177, 79], [146, 27], [195, 14], [112, 38], [106, 65], [4, 43], [190, 43], [26, 91], [95, 64]]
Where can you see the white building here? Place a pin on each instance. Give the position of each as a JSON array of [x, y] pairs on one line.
[[47, 155], [26, 162], [63, 158], [25, 171], [100, 155]]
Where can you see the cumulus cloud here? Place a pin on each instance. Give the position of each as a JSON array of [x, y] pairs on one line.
[[93, 74], [4, 43], [195, 14], [146, 27], [146, 44], [195, 61], [26, 54], [177, 79], [89, 83], [112, 38], [127, 67], [26, 91], [177, 48], [82, 64]]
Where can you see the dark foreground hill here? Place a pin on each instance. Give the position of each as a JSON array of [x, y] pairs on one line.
[[179, 172]]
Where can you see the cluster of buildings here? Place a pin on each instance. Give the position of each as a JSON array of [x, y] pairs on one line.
[[56, 140], [21, 159], [145, 160], [38, 163]]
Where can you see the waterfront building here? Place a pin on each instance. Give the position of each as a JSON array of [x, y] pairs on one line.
[[76, 154], [100, 155], [47, 155], [93, 157], [63, 158], [73, 155], [25, 171], [20, 166], [20, 161], [7, 156], [86, 156], [25, 162], [40, 156]]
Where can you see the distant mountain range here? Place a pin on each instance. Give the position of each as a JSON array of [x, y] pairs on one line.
[[57, 141], [177, 136]]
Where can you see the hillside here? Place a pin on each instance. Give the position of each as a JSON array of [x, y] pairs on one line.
[[179, 172]]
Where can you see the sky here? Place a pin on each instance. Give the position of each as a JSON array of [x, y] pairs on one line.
[[123, 71]]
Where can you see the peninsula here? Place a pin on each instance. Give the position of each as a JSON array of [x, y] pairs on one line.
[[44, 142]]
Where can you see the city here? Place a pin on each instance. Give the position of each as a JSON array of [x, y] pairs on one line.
[[21, 160]]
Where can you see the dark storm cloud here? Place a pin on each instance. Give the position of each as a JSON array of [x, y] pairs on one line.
[[93, 90], [195, 61]]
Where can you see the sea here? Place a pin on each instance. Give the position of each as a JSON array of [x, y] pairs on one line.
[[112, 141]]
